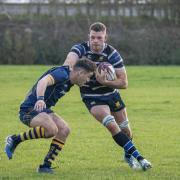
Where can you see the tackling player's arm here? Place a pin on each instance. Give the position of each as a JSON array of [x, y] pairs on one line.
[[71, 59], [120, 83], [42, 84]]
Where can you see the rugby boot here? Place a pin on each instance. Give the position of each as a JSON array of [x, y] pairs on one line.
[[145, 164], [45, 168], [10, 146], [132, 162]]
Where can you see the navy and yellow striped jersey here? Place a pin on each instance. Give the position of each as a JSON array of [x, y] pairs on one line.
[[61, 85], [109, 54]]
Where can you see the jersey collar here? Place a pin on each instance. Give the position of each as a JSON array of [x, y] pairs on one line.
[[104, 46]]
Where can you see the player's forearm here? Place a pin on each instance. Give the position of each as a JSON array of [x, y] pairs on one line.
[[71, 59], [117, 84], [41, 87]]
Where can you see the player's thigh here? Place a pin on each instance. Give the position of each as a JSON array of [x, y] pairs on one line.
[[59, 121], [44, 120], [100, 112], [120, 116]]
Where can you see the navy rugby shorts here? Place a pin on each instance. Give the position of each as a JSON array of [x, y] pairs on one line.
[[26, 115], [114, 101]]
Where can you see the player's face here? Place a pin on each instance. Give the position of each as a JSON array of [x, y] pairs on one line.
[[97, 40], [83, 77]]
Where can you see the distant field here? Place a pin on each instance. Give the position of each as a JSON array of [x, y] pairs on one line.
[[153, 104]]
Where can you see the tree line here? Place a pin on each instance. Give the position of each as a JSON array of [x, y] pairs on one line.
[[161, 9], [47, 38]]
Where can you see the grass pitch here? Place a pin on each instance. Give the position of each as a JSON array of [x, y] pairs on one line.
[[153, 104]]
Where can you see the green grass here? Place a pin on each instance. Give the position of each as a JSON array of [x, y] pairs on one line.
[[153, 104]]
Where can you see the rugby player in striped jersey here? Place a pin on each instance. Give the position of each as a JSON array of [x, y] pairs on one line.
[[102, 97]]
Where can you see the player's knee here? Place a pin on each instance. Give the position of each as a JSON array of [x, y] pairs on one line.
[[108, 120], [110, 123], [124, 126], [66, 130], [54, 130], [51, 131], [63, 131]]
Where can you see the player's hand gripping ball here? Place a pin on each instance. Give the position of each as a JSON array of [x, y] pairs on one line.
[[109, 70]]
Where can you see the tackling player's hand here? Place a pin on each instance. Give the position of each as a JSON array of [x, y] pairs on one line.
[[40, 105]]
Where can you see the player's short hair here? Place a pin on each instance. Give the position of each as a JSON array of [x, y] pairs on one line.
[[97, 27], [85, 64]]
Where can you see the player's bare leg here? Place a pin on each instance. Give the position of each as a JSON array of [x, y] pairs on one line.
[[56, 145], [42, 127], [63, 128], [123, 122], [102, 114]]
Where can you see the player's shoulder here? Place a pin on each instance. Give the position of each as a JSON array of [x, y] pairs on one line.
[[81, 45], [85, 44], [110, 49], [62, 71], [80, 48], [57, 68]]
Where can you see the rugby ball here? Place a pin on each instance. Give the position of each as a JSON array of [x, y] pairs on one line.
[[108, 69]]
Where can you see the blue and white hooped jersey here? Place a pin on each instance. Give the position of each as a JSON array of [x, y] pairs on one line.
[[61, 85], [109, 54]]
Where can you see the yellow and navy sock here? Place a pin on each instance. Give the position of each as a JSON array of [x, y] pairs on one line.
[[55, 147], [34, 133], [122, 140]]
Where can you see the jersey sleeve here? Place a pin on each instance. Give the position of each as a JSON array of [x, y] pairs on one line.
[[115, 59], [59, 75], [79, 49]]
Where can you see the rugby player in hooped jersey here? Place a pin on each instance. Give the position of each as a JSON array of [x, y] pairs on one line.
[[101, 96], [35, 111]]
